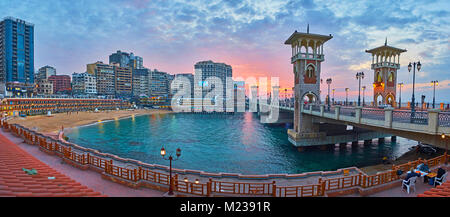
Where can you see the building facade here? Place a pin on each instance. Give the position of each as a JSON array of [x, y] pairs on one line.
[[208, 69], [140, 82], [16, 57], [44, 87], [84, 84], [158, 83], [104, 74], [123, 81], [45, 72], [61, 84]]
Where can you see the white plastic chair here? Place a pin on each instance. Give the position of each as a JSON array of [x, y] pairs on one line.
[[412, 183], [440, 180]]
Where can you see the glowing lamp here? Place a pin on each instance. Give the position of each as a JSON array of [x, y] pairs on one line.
[[163, 151], [196, 181], [186, 179]]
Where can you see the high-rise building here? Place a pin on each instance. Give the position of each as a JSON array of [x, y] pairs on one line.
[[123, 81], [16, 57], [125, 59], [105, 77], [140, 82], [158, 83], [45, 72], [61, 84], [121, 58], [84, 84], [207, 69], [136, 62]]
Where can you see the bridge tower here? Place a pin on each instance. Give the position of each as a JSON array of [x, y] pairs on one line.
[[385, 63], [307, 55]]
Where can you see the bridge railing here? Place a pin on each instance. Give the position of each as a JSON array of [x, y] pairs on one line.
[[444, 119], [402, 116], [348, 111], [372, 113]]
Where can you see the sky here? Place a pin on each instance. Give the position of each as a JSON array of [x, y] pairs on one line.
[[249, 35]]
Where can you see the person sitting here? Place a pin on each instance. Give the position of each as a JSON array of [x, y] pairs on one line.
[[410, 174], [440, 173], [424, 167]]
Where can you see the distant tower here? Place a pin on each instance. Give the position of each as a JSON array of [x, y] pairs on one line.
[[307, 54], [385, 63]]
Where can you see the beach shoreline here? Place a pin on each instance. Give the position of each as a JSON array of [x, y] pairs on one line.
[[51, 125]]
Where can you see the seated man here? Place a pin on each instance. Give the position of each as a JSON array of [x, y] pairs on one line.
[[410, 174], [424, 168], [440, 173]]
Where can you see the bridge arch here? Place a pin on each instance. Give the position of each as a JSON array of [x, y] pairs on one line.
[[309, 98], [390, 99]]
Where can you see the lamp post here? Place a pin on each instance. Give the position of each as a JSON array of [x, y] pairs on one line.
[[346, 95], [434, 83], [359, 76], [446, 148], [328, 98], [400, 98], [364, 102], [413, 109], [333, 95], [170, 159]]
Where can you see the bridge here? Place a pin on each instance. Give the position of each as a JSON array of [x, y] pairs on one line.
[[424, 126]]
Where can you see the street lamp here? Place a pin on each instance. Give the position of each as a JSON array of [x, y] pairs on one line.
[[346, 96], [413, 109], [170, 158], [400, 98], [446, 148], [434, 83], [328, 98], [359, 76], [333, 95], [364, 102]]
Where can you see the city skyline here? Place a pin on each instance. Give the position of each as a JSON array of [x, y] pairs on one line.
[[248, 36]]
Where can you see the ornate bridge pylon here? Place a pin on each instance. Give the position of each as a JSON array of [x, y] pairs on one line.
[[385, 63]]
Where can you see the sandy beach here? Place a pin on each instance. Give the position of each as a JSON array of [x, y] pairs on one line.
[[52, 124]]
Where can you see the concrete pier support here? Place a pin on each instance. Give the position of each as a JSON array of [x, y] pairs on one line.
[[367, 142], [380, 140], [343, 145], [394, 139], [354, 144], [326, 147]]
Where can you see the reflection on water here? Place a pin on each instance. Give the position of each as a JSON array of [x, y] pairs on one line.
[[223, 143]]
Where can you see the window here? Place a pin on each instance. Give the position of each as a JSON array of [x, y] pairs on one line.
[[310, 71]]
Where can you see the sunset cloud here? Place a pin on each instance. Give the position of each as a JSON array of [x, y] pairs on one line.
[[247, 34]]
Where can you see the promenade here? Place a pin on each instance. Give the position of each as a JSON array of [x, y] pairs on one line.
[[135, 175]]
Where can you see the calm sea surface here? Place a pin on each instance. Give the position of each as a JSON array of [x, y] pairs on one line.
[[222, 143]]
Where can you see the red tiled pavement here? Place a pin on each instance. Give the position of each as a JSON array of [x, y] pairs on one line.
[[440, 191], [15, 182]]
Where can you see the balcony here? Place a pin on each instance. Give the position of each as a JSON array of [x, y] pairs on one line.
[[303, 56], [385, 64]]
